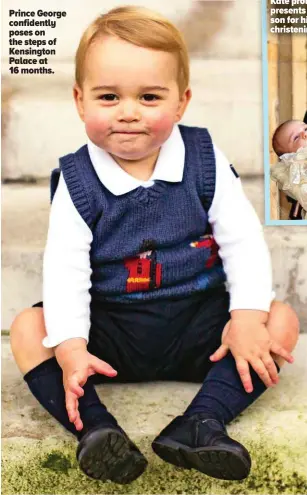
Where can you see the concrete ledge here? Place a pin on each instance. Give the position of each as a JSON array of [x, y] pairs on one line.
[[39, 456], [24, 229]]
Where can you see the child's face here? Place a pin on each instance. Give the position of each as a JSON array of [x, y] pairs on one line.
[[123, 113], [293, 137]]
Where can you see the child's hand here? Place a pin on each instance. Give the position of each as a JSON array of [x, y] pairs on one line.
[[250, 343], [77, 365]]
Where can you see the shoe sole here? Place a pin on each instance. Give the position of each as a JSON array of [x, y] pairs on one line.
[[217, 462], [106, 454]]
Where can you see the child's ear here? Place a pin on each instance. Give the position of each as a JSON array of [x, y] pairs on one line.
[[183, 103], [78, 97]]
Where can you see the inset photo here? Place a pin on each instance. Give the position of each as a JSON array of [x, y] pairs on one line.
[[285, 116]]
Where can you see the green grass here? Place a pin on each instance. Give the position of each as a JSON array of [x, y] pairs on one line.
[[46, 467]]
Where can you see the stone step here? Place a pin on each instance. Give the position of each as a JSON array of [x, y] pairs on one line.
[[24, 228], [39, 456], [40, 122], [232, 96]]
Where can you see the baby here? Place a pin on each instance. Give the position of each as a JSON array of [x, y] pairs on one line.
[[289, 137], [290, 171]]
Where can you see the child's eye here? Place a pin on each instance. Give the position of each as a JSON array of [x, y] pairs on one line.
[[151, 97], [107, 97]]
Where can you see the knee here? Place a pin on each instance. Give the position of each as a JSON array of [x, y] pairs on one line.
[[27, 323], [284, 324]]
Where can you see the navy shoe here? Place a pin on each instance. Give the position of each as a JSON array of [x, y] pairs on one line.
[[106, 453], [202, 443]]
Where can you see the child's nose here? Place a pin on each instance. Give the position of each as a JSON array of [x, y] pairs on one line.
[[129, 111]]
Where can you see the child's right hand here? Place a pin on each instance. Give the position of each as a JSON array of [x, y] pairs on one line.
[[77, 365]]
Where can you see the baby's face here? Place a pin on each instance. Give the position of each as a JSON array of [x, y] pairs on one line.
[[130, 99], [292, 137]]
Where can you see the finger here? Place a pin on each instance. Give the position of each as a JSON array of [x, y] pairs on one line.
[[281, 351], [219, 353], [271, 367], [262, 372], [75, 381], [243, 370], [71, 406], [77, 390], [102, 367], [78, 422]]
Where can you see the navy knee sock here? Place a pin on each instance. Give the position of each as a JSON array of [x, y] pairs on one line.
[[46, 384], [222, 395]]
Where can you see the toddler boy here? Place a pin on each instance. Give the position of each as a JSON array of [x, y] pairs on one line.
[[134, 281]]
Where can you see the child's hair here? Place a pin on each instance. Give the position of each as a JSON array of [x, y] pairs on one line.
[[277, 147], [139, 26]]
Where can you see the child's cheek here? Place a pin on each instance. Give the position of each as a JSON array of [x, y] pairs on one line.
[[95, 126], [162, 126]]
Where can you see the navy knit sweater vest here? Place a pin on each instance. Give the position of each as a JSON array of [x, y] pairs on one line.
[[150, 243]]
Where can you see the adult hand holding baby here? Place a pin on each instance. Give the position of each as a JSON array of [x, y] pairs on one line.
[[250, 342], [77, 365]]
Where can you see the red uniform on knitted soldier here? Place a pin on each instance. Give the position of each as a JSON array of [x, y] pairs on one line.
[[208, 242], [144, 271]]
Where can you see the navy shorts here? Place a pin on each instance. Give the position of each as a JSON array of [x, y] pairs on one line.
[[158, 340]]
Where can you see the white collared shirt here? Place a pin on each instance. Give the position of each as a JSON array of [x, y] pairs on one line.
[[67, 270]]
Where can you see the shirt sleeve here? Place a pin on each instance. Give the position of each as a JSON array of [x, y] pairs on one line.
[[242, 248], [66, 272]]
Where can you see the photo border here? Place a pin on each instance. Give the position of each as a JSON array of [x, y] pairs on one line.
[[266, 154]]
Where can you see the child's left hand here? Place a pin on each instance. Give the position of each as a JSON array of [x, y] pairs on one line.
[[250, 343]]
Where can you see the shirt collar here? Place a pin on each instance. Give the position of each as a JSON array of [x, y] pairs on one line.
[[169, 166]]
